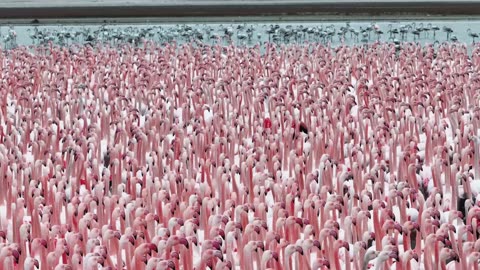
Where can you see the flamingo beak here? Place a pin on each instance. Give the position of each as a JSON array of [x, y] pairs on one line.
[[277, 237], [415, 257], [194, 241], [305, 221], [394, 255], [261, 246], [398, 227], [131, 239], [337, 225], [184, 242], [447, 243], [334, 234], [299, 249], [416, 226], [180, 222], [456, 258], [265, 225], [225, 220], [175, 255], [153, 247], [219, 255], [221, 233], [16, 256], [217, 245], [299, 221], [101, 261]]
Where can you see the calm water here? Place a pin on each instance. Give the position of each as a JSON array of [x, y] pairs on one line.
[[334, 33]]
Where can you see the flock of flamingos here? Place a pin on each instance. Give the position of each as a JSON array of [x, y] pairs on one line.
[[195, 156]]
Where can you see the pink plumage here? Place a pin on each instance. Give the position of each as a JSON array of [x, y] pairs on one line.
[[186, 157]]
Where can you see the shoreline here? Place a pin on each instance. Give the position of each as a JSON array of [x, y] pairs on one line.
[[236, 19], [30, 12]]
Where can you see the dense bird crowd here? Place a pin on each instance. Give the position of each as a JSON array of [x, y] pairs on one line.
[[210, 156]]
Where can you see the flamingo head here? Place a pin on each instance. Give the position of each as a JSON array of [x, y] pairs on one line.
[[298, 249], [316, 243]]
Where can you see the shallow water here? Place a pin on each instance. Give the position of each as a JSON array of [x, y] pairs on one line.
[[251, 33]]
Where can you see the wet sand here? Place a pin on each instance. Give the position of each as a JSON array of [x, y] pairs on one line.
[[56, 9]]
